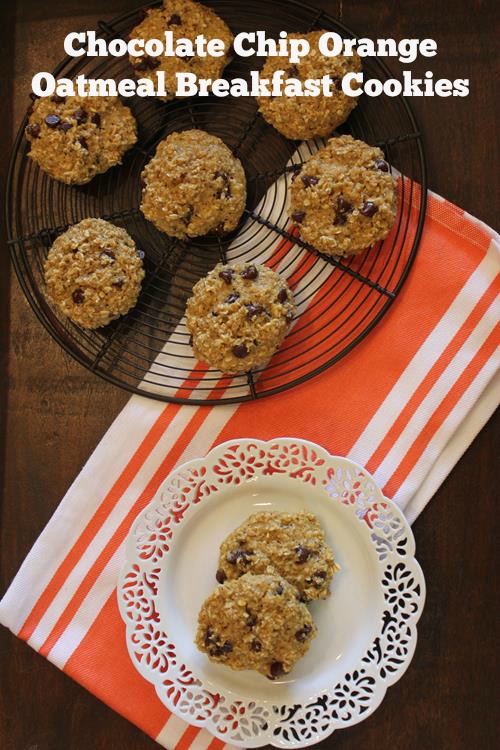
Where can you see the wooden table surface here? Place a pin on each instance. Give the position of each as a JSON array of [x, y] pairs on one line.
[[53, 412]]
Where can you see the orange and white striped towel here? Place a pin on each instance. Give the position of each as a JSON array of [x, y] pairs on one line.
[[405, 403]]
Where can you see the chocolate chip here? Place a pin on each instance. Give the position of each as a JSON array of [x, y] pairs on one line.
[[52, 121], [186, 219], [227, 647], [78, 296], [83, 142], [80, 116], [298, 216], [282, 295], [108, 253], [33, 130], [256, 645], [249, 273], [340, 219], [147, 63], [276, 669], [232, 557], [226, 275], [309, 180], [208, 636], [220, 576], [369, 209], [382, 165], [320, 574], [303, 554], [174, 20], [279, 589], [337, 82], [119, 283], [289, 316], [293, 71], [252, 619], [58, 99], [96, 119], [220, 173], [232, 298], [303, 598], [295, 169], [65, 126], [343, 205], [254, 309], [240, 351], [303, 634]]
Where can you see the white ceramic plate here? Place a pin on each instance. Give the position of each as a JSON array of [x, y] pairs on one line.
[[366, 629]]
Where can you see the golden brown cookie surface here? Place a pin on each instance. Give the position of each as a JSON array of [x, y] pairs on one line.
[[193, 186], [291, 545], [185, 19], [255, 622], [304, 117], [93, 273], [75, 138], [238, 316], [344, 197]]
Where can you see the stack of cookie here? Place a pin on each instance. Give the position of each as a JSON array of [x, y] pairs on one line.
[[270, 567]]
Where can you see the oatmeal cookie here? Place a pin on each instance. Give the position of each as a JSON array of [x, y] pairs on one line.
[[304, 117], [255, 622], [75, 138], [93, 273], [193, 185], [291, 545], [185, 19], [238, 316], [344, 197]]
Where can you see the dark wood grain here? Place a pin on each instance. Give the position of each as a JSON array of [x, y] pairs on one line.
[[52, 413]]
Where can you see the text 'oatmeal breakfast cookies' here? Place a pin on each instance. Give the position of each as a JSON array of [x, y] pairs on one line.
[[304, 117], [343, 199], [186, 20], [238, 316], [93, 273], [291, 545], [255, 622], [193, 185], [74, 138]]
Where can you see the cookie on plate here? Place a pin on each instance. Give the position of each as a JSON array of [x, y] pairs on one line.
[[255, 622], [343, 199], [304, 117], [291, 545], [193, 186], [185, 19], [93, 273], [75, 138], [238, 316]]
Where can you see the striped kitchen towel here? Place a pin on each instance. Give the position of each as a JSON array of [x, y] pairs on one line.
[[405, 403]]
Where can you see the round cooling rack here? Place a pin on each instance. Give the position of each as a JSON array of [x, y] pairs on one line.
[[339, 301]]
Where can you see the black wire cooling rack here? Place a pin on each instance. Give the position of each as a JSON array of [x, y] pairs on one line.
[[339, 301]]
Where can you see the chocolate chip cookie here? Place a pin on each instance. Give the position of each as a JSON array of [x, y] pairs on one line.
[[93, 273], [193, 186], [75, 138], [255, 622], [185, 19], [304, 117], [238, 316], [291, 545], [344, 198]]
